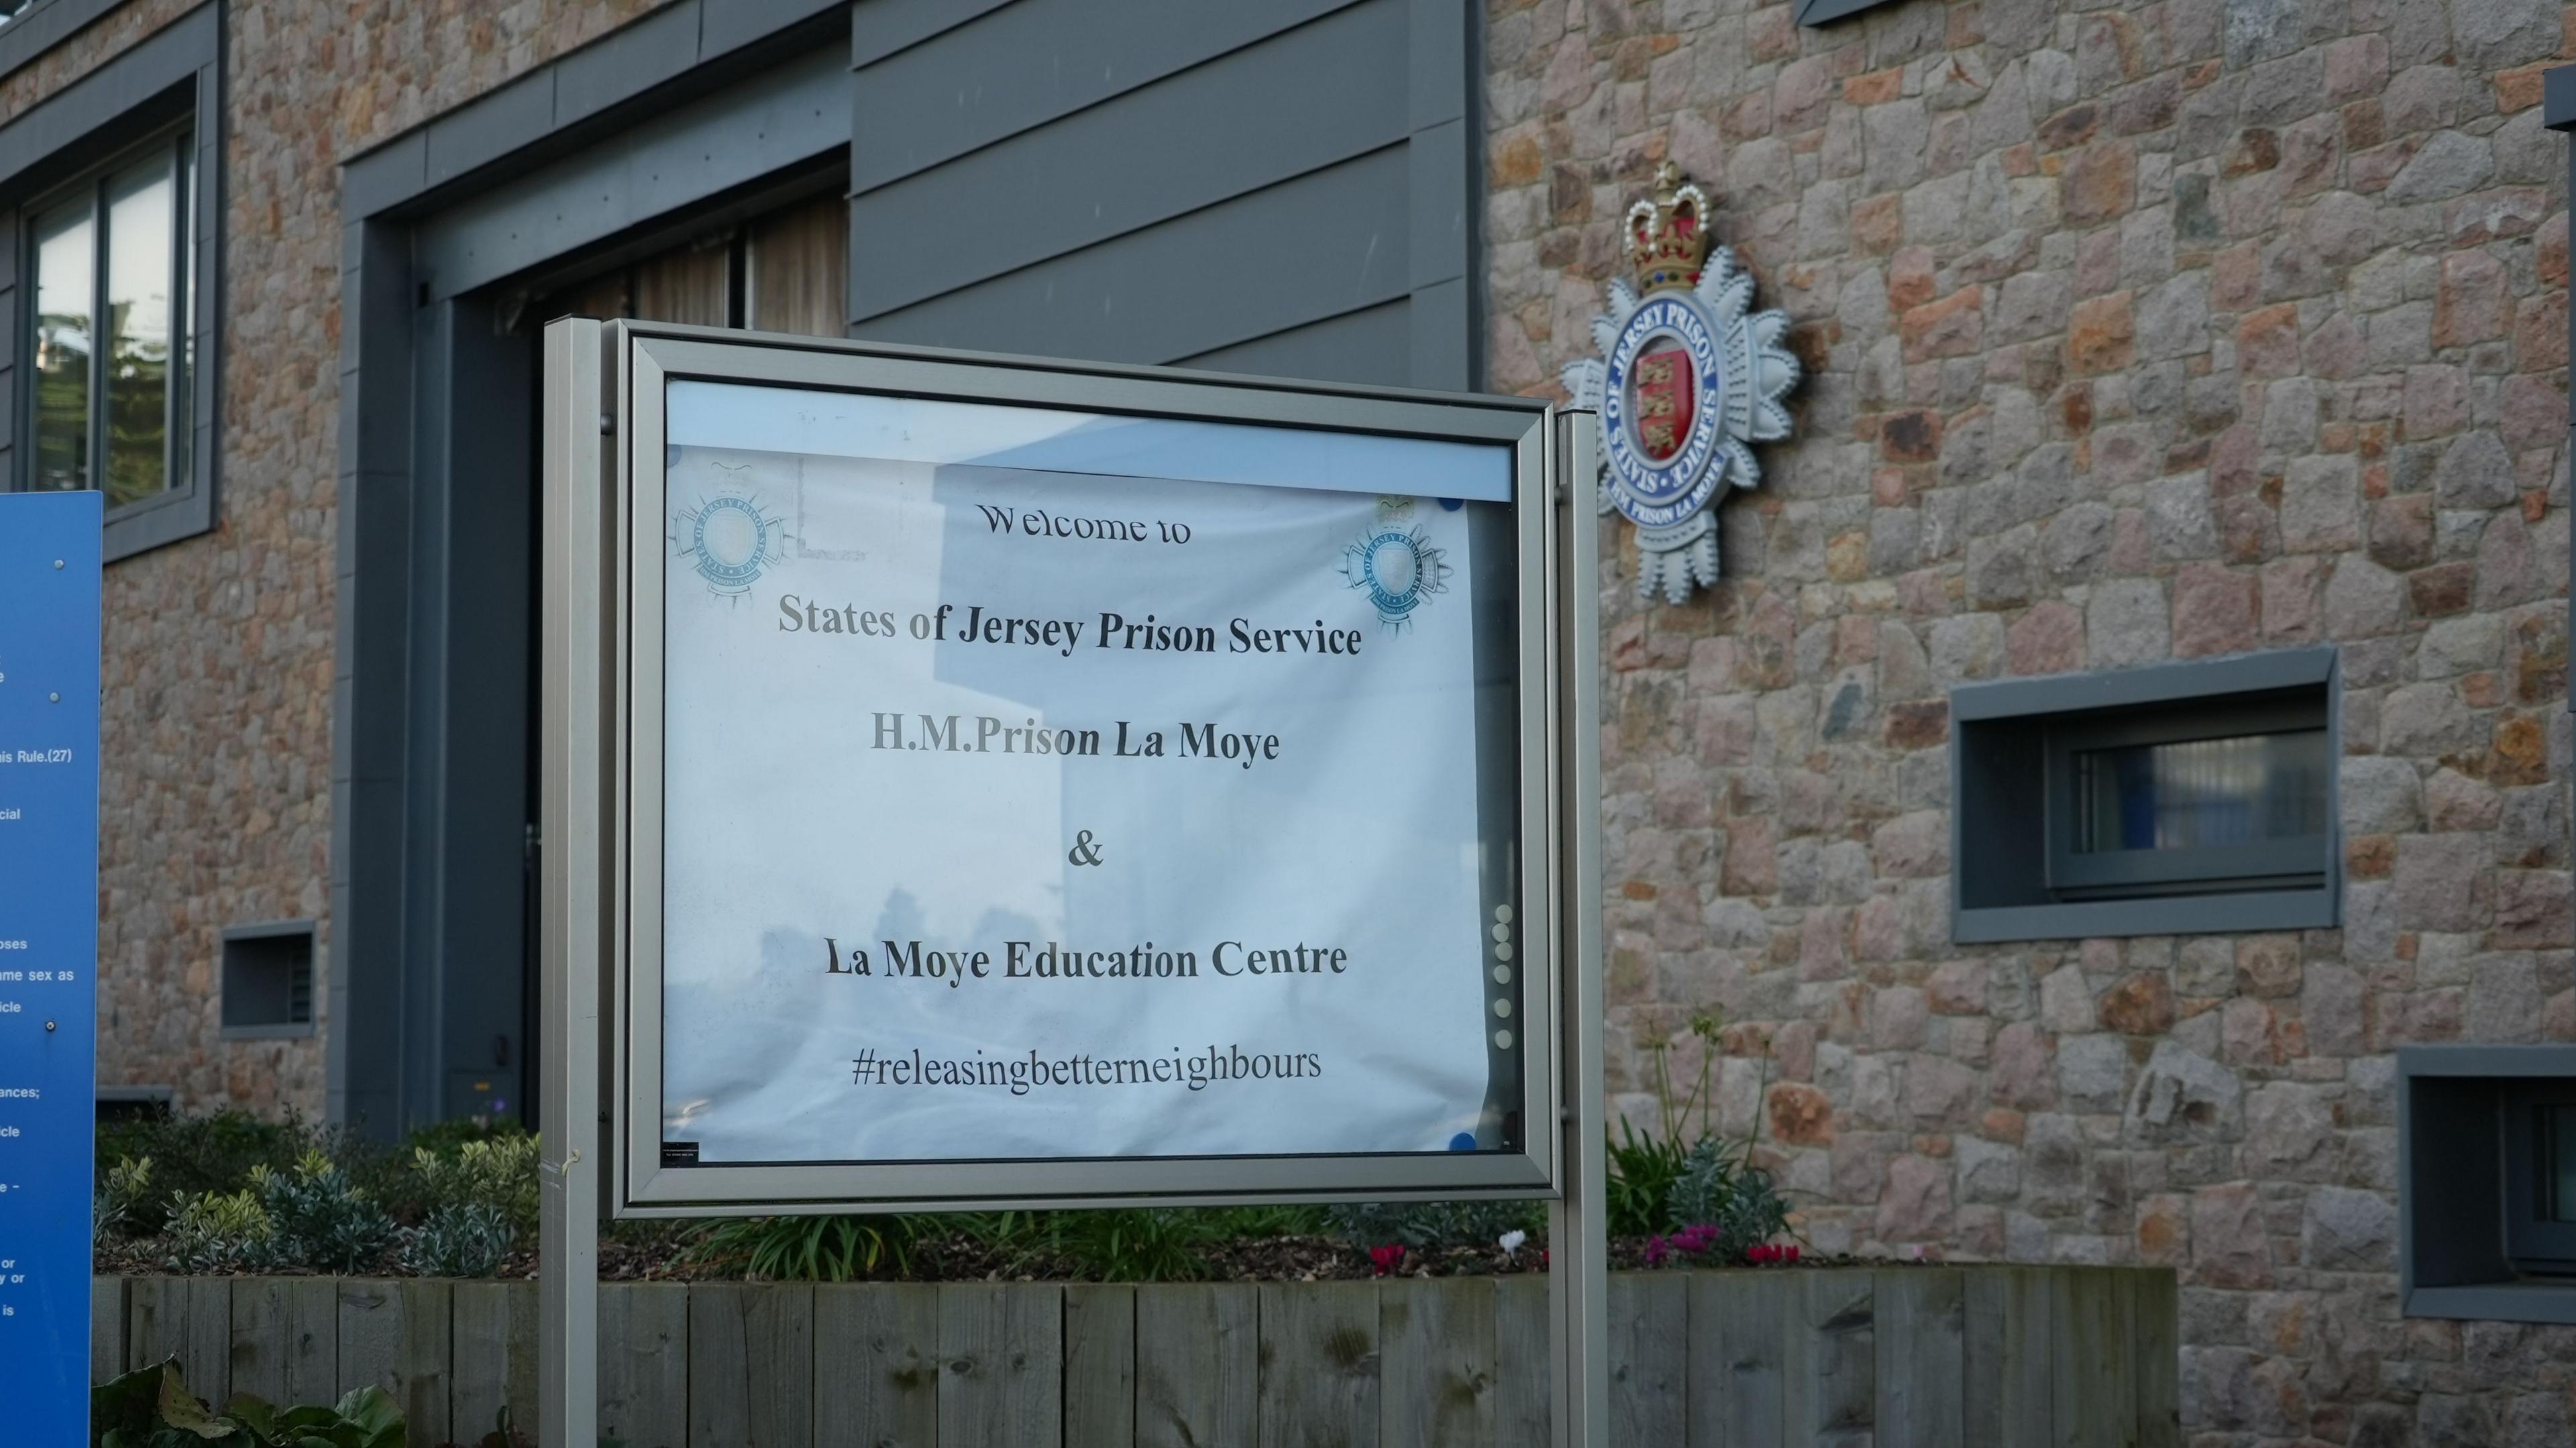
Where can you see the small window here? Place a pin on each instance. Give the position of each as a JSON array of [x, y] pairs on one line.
[[2189, 797], [2486, 1179], [268, 980], [1819, 12], [2540, 1176], [109, 263]]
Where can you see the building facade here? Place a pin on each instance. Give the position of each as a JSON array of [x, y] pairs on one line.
[[2190, 357]]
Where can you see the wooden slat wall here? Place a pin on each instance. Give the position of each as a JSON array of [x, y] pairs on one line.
[[1900, 1355]]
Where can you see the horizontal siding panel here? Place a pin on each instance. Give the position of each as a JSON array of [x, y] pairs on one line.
[[1326, 243], [1319, 94], [882, 27], [1367, 347], [1021, 66]]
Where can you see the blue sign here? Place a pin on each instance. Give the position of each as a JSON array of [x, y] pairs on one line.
[[49, 613]]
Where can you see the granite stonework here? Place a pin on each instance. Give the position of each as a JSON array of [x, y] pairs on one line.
[[2134, 331], [215, 775]]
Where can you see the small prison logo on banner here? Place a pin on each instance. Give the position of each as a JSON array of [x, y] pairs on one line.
[[1689, 377], [731, 538]]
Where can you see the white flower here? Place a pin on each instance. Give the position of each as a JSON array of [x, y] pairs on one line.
[[1511, 1240]]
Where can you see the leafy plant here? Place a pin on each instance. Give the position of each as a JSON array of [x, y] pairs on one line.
[[498, 1172], [1725, 1190], [1695, 1183], [120, 1193], [195, 1154], [810, 1249], [1424, 1226], [212, 1233], [322, 1220], [467, 1240], [1644, 1168], [152, 1408]]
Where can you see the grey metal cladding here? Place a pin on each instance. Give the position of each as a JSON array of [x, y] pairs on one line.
[[1284, 186], [1366, 346], [1318, 95], [726, 139], [171, 56], [549, 106], [884, 27], [1038, 60], [42, 26], [1325, 243]]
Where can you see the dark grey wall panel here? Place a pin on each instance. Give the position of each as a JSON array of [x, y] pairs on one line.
[[1288, 186], [1319, 94], [1041, 59], [1328, 242], [1366, 346]]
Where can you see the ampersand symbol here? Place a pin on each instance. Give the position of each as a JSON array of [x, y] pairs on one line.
[[1084, 852]]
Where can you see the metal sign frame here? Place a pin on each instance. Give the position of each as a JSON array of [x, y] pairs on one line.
[[604, 505]]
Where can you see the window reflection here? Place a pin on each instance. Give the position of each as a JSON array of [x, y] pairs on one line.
[[65, 290], [2557, 1163], [2201, 792], [137, 409], [107, 336]]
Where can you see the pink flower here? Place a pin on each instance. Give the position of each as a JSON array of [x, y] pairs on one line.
[[1386, 1259], [1789, 1253]]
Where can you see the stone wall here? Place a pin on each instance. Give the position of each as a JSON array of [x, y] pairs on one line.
[[216, 733], [2134, 331]]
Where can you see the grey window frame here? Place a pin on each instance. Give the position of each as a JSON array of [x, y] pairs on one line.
[[169, 80], [273, 1030], [2464, 1202], [176, 141], [1821, 12], [2056, 709], [2236, 865], [2530, 1238]]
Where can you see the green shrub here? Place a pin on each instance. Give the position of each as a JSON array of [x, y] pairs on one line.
[[152, 1408], [192, 1155], [1428, 1226], [1723, 1189], [1677, 1178], [470, 1239], [217, 1233], [121, 1194], [496, 1172], [322, 1220], [809, 1249]]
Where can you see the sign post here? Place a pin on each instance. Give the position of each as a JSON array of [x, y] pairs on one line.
[[978, 782], [49, 680]]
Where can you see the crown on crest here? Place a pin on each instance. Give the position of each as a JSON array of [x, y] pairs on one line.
[[1668, 236]]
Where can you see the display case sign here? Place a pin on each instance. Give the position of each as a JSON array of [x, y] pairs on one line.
[[49, 671], [1023, 784]]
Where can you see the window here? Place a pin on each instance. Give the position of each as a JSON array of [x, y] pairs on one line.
[[268, 980], [2487, 1182], [109, 190], [2187, 797], [1818, 12], [109, 349], [2540, 1175]]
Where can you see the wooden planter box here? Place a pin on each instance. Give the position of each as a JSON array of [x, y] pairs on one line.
[[1999, 1356]]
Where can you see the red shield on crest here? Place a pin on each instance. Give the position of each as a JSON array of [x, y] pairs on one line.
[[1660, 392]]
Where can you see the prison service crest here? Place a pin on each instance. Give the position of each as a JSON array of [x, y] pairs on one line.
[[1689, 378]]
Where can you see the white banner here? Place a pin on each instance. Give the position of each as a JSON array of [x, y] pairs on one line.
[[1043, 814]]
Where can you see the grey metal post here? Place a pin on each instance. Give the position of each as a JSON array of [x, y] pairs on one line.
[[574, 863], [1578, 1282]]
